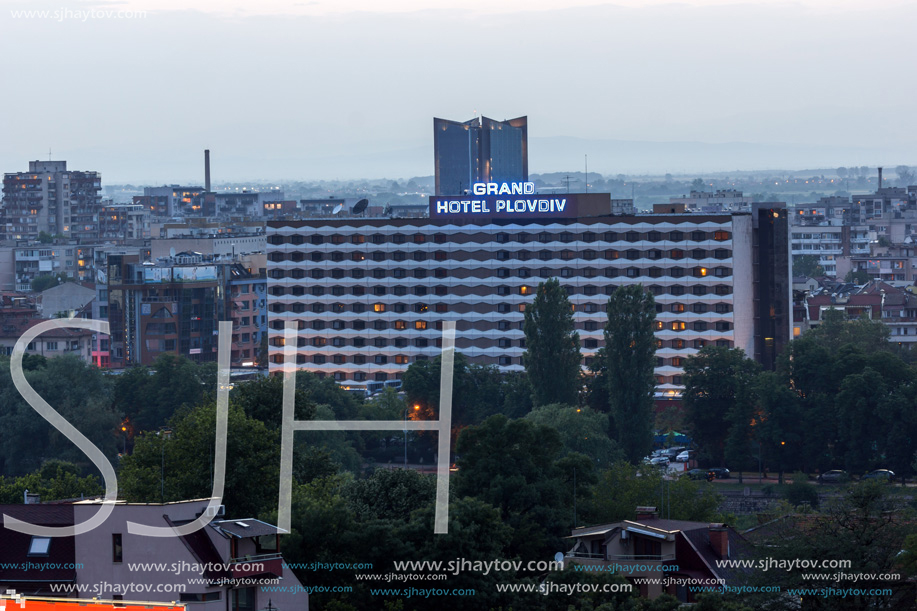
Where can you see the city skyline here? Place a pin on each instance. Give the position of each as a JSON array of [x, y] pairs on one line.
[[349, 93]]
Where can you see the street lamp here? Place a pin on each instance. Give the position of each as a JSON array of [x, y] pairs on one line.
[[416, 408], [166, 433]]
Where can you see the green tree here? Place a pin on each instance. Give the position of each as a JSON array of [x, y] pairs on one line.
[[552, 356], [623, 487], [630, 348], [252, 465], [518, 467], [857, 276], [718, 406], [807, 265], [43, 282], [581, 430]]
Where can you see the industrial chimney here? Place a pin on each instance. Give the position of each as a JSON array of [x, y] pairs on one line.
[[880, 178], [207, 170]]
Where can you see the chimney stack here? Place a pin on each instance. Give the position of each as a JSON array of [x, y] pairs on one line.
[[880, 178], [719, 540], [207, 170], [647, 513]]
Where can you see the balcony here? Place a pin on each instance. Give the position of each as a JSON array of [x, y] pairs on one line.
[[265, 565]]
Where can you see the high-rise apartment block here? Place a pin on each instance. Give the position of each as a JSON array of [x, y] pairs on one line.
[[479, 150], [49, 198]]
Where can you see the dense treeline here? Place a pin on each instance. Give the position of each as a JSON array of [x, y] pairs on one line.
[[841, 398]]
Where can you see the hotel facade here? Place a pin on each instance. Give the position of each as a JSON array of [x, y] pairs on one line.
[[369, 296]]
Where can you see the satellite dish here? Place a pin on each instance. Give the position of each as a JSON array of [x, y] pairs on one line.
[[360, 206], [337, 208]]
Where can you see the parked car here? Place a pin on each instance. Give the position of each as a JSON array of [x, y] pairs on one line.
[[686, 456], [835, 476], [660, 461], [673, 452], [698, 474], [719, 473], [882, 475]]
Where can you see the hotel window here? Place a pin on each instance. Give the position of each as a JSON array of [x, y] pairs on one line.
[[722, 308], [503, 308], [378, 256], [421, 342], [502, 255], [319, 342], [721, 235], [677, 307], [504, 343], [316, 256], [678, 344], [440, 290], [378, 307], [612, 254], [338, 325], [419, 255], [566, 272], [567, 255], [441, 308], [318, 325], [590, 290], [399, 272], [698, 236], [439, 238], [400, 342], [700, 343], [699, 272], [632, 254], [698, 289], [588, 236], [399, 308], [676, 289], [676, 236], [522, 238], [523, 272], [357, 274], [544, 255], [722, 272], [401, 325], [359, 290], [439, 272], [723, 343], [337, 274], [633, 272], [722, 289], [502, 272], [420, 273], [590, 308], [420, 291], [654, 254], [611, 272], [659, 325], [380, 325], [590, 325], [380, 377], [359, 342], [631, 236], [338, 359], [337, 256], [700, 326], [723, 326], [699, 308], [357, 256], [401, 359], [505, 360], [591, 343], [502, 237], [655, 272], [655, 289], [358, 308], [399, 238], [678, 325], [419, 238], [315, 273], [721, 253], [439, 255], [420, 308], [676, 272], [380, 342], [380, 359], [502, 290]]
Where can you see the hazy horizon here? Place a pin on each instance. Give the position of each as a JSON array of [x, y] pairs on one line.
[[319, 90]]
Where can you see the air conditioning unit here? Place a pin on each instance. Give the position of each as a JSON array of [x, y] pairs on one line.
[[215, 512]]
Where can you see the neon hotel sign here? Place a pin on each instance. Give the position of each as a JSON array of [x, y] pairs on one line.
[[501, 199]]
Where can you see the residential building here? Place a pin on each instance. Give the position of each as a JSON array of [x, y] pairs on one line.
[[49, 198], [122, 222], [369, 295], [177, 201], [218, 567], [650, 547], [175, 305], [479, 150], [714, 202]]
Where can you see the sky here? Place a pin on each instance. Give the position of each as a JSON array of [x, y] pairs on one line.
[[319, 89]]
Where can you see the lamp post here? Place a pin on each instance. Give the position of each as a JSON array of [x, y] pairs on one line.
[[416, 408], [165, 433]]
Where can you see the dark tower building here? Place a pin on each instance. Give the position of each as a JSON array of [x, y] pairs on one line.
[[772, 273], [479, 150]]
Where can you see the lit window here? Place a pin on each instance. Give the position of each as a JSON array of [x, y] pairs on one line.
[[400, 325], [378, 307], [420, 325], [524, 290]]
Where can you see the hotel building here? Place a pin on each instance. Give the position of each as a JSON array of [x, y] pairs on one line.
[[369, 295]]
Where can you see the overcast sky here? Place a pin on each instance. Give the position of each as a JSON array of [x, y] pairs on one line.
[[344, 89]]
